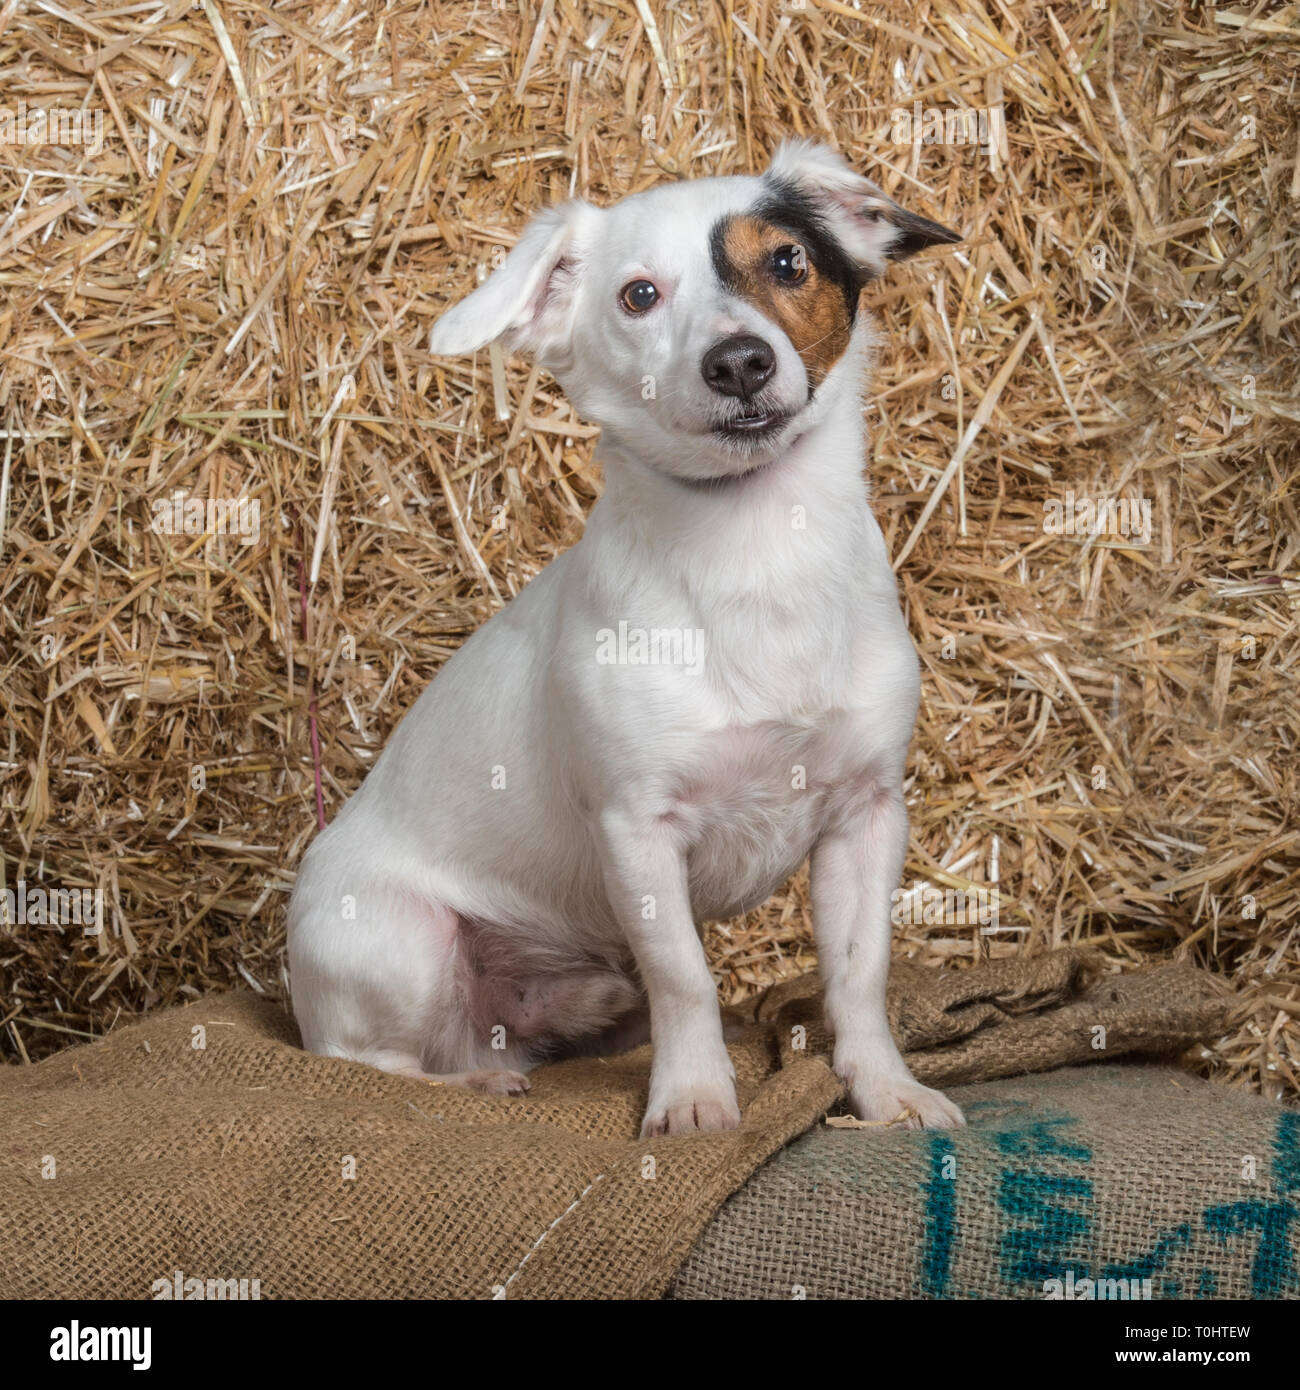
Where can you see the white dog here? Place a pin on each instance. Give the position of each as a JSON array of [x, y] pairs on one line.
[[714, 683]]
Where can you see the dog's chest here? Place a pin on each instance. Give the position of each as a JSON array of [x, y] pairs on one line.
[[806, 741], [755, 802]]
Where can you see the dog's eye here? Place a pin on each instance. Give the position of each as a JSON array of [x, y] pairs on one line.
[[790, 264], [638, 296]]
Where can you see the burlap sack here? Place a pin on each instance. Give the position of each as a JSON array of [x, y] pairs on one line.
[[1013, 1016], [1117, 1181], [203, 1141]]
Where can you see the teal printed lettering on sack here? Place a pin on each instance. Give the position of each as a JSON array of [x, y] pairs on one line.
[[1037, 1138], [1034, 1250], [1286, 1151], [1144, 1266], [1050, 1213], [940, 1221], [1047, 1213], [1273, 1270]]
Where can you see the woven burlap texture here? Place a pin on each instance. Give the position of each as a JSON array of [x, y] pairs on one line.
[[1125, 1181], [202, 1139]]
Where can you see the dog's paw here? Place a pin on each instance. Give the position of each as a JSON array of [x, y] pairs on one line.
[[904, 1102], [497, 1083], [697, 1110]]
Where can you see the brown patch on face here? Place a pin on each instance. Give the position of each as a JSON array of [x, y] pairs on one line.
[[813, 314]]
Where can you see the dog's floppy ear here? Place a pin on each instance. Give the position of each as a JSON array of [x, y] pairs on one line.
[[528, 300], [871, 227]]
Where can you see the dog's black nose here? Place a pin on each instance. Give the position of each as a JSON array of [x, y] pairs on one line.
[[738, 366]]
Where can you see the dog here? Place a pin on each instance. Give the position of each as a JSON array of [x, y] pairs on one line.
[[713, 685]]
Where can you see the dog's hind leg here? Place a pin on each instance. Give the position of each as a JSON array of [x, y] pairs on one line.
[[486, 1080], [378, 977]]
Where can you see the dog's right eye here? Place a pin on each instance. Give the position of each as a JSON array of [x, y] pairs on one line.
[[638, 296], [790, 265]]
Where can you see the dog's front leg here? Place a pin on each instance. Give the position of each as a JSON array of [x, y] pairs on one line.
[[692, 1081], [855, 868]]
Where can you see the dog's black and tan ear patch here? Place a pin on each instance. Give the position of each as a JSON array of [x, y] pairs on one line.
[[870, 227], [817, 311], [845, 226], [915, 232]]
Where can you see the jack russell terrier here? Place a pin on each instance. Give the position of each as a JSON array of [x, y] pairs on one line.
[[521, 874]]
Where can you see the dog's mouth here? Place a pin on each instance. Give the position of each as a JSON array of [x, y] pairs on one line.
[[750, 433], [751, 425]]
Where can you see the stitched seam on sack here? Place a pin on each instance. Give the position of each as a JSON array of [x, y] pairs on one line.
[[547, 1232]]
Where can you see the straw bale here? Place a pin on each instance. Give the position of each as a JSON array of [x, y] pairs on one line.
[[226, 289]]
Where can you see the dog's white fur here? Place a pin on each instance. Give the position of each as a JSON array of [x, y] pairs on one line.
[[528, 859]]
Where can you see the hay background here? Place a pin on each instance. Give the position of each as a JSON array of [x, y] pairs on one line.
[[287, 197]]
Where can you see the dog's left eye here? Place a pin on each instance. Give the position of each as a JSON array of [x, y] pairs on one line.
[[790, 264], [638, 296]]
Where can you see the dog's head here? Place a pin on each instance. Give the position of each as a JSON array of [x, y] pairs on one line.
[[701, 321]]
